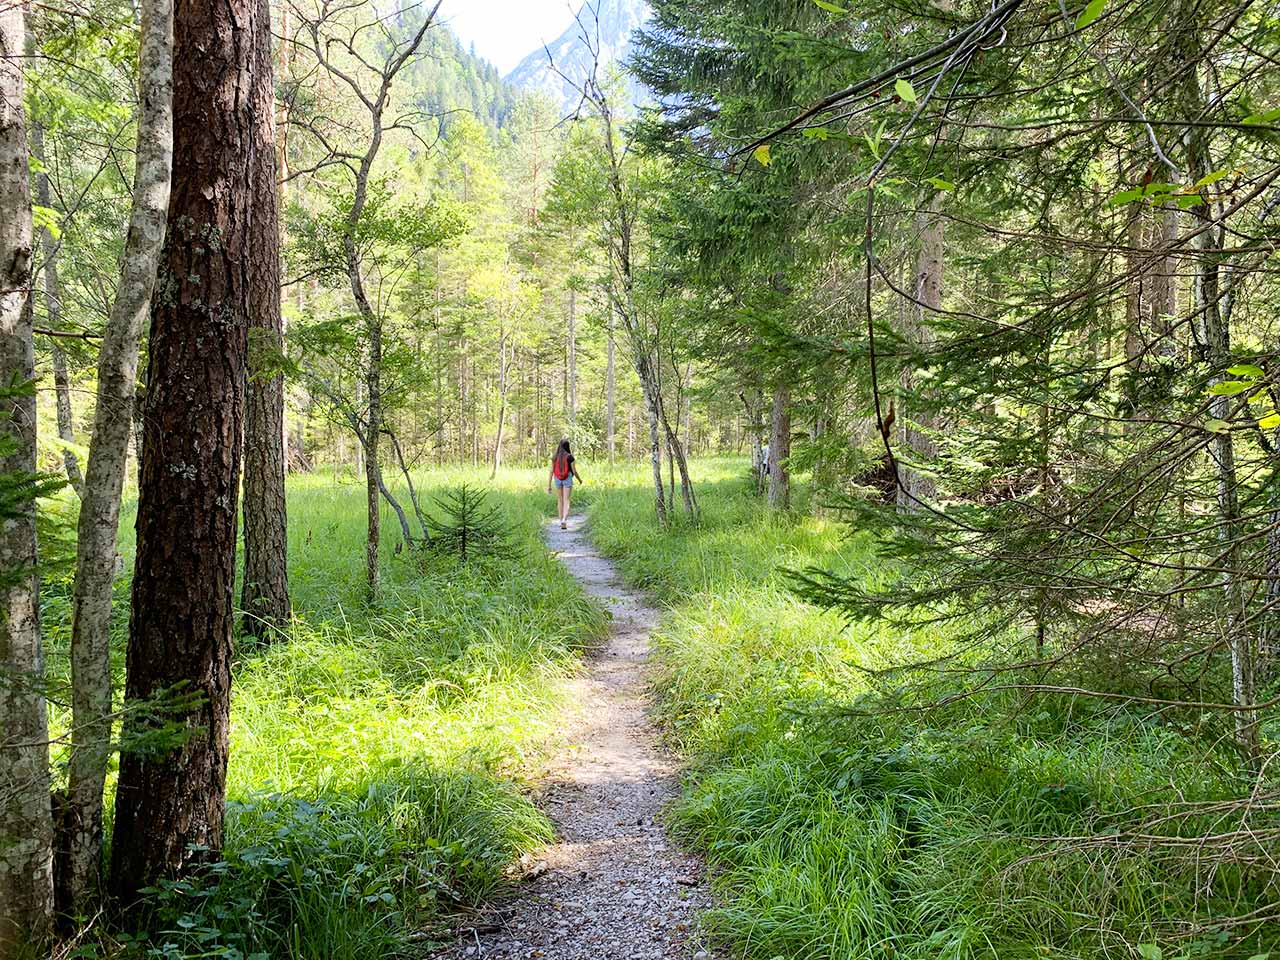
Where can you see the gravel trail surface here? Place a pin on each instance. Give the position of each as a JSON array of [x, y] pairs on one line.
[[612, 886]]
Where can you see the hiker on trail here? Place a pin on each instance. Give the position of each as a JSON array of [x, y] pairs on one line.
[[562, 475]]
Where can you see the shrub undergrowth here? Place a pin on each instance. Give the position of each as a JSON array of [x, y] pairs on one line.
[[378, 752], [839, 827]]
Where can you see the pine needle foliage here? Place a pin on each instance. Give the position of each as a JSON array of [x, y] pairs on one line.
[[469, 526]]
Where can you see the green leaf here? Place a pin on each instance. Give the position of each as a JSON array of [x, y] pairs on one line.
[[940, 184], [1229, 388], [1217, 426], [830, 7], [46, 218], [1262, 118], [1246, 370], [1149, 951], [1126, 196], [1089, 14], [1189, 201], [763, 155], [1212, 177], [874, 142], [903, 88], [1270, 421]]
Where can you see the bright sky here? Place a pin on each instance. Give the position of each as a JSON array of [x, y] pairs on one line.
[[505, 30]]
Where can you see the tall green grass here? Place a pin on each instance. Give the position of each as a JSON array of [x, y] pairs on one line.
[[838, 833], [378, 752]]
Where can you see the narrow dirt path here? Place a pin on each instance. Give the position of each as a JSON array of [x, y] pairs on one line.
[[612, 887]]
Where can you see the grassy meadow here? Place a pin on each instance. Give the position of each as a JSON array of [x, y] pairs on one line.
[[836, 833], [378, 754]]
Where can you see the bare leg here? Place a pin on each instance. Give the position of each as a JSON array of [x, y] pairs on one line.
[[568, 493]]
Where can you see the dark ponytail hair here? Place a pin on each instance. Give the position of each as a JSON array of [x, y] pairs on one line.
[[563, 453]]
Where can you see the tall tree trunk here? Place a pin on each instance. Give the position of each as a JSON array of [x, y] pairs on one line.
[[675, 453], [780, 450], [26, 827], [170, 796], [376, 104], [753, 404], [139, 435], [622, 273], [359, 449], [53, 310], [264, 596], [651, 403], [108, 458], [686, 400], [62, 396], [671, 475], [502, 404], [1215, 335], [442, 437], [571, 413], [918, 486], [610, 393], [372, 473]]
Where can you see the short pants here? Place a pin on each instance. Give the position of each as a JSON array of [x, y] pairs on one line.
[[566, 482]]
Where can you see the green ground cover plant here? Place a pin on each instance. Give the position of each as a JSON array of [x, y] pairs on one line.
[[842, 822], [378, 752]]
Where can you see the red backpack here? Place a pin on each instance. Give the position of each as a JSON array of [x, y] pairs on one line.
[[560, 468]]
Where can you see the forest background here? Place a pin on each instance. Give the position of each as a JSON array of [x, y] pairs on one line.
[[981, 295]]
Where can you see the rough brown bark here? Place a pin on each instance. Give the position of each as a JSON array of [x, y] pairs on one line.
[[26, 826], [170, 796], [780, 450], [108, 457], [264, 596]]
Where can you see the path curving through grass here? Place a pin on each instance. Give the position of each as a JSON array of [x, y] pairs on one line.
[[611, 884]]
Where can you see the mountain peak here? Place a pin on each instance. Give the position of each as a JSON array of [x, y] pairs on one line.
[[611, 23]]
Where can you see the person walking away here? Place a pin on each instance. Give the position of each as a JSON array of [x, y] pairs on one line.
[[563, 472]]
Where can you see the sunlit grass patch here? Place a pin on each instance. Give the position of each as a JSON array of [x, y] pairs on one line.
[[835, 832], [379, 752]]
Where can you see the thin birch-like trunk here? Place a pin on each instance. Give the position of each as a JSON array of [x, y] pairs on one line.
[[917, 486], [26, 826], [572, 410], [53, 311], [108, 458], [1215, 335], [780, 450], [502, 404], [610, 393]]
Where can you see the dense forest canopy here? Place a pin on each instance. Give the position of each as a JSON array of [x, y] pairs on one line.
[[926, 354]]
